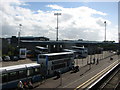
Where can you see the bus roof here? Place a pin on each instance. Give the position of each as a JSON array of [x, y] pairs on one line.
[[41, 47], [16, 67], [78, 47], [53, 54], [68, 50]]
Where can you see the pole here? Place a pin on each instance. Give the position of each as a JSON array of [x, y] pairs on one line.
[[82, 61], [90, 62], [18, 39], [19, 36], [57, 25], [60, 79], [57, 29], [105, 30], [103, 55]]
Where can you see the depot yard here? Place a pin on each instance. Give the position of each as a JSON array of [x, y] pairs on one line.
[[80, 62], [71, 80], [22, 61]]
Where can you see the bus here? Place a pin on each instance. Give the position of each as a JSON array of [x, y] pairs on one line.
[[30, 54], [81, 52], [52, 62], [11, 75], [22, 53], [41, 50]]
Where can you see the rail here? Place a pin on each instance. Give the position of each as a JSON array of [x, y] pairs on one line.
[[95, 79], [110, 79]]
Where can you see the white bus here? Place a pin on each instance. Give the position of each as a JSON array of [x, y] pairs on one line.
[[52, 62], [11, 75], [22, 53], [41, 50], [81, 52]]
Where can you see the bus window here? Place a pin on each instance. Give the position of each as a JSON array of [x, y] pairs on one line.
[[4, 77], [22, 74], [30, 72], [59, 66], [41, 56], [68, 63], [50, 58], [22, 52], [13, 76]]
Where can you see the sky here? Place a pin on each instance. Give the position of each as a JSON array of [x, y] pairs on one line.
[[78, 20]]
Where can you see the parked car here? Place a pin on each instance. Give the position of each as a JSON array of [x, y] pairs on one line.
[[6, 58], [14, 58]]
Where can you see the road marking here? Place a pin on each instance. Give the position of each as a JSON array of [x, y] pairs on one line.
[[96, 76], [79, 79]]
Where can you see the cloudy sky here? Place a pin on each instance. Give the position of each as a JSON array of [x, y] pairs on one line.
[[78, 20]]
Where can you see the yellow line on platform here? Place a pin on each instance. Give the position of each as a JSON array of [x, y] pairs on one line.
[[88, 82]]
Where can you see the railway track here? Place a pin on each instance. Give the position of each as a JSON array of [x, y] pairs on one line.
[[96, 82], [112, 82]]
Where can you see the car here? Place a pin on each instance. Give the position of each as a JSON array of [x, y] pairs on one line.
[[14, 58], [114, 52], [6, 58]]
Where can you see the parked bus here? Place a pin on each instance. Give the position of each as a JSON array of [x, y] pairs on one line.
[[52, 62], [22, 53], [30, 54], [41, 50], [81, 52], [11, 75]]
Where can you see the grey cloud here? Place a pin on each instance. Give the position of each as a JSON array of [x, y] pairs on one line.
[[65, 17], [100, 22], [8, 30]]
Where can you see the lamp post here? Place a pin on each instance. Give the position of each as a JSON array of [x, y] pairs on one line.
[[105, 29], [57, 25], [19, 35]]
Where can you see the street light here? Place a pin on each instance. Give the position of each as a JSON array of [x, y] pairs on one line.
[[105, 29], [57, 25], [19, 35]]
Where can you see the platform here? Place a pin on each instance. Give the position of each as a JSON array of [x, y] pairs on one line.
[[73, 80]]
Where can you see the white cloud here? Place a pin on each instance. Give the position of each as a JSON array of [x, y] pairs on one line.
[[74, 23], [55, 7]]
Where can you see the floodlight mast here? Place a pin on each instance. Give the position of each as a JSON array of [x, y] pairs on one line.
[[57, 25], [19, 35], [105, 29]]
